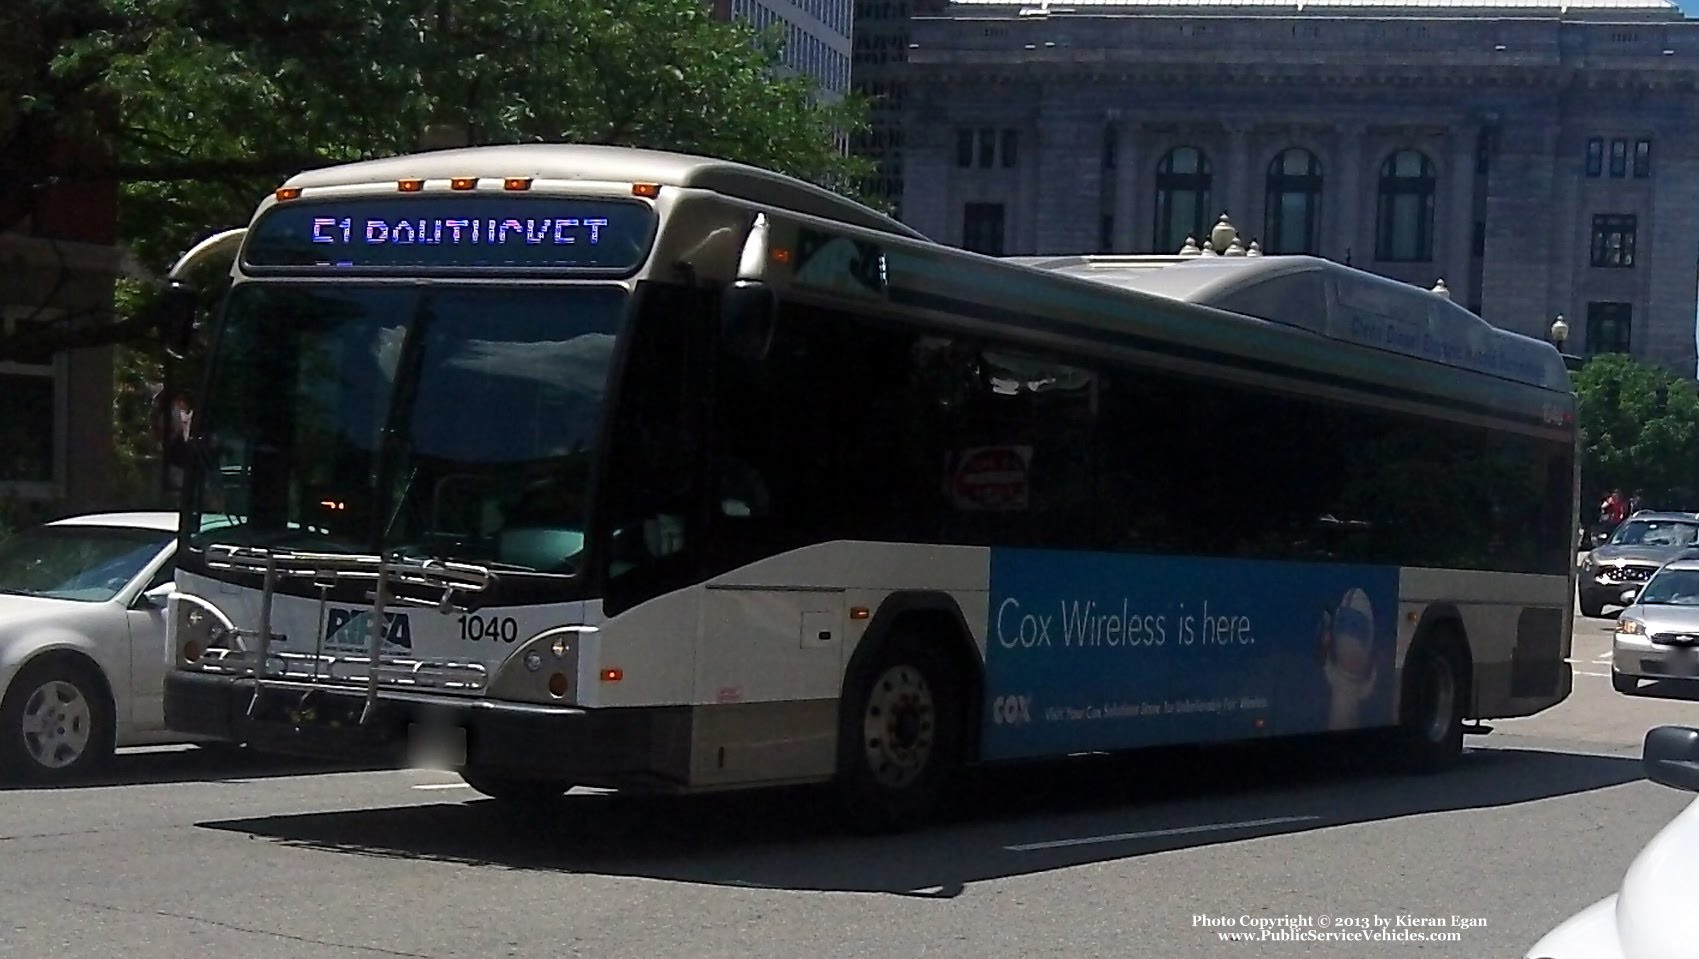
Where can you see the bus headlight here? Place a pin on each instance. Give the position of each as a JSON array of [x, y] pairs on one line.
[[199, 627], [544, 669]]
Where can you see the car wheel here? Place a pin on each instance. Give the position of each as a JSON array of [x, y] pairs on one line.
[[55, 724], [900, 742], [1624, 683], [1434, 696], [514, 789]]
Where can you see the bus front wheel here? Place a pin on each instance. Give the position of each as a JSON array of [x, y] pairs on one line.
[[900, 738], [1434, 695]]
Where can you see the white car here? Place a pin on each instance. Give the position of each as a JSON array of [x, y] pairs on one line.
[[82, 641], [1652, 915]]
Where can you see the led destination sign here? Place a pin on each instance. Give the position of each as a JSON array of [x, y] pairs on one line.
[[454, 233]]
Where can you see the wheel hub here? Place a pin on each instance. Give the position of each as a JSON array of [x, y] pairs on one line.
[[57, 724], [898, 727]]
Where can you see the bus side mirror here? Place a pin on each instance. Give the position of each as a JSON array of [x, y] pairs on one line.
[[174, 316], [749, 312]]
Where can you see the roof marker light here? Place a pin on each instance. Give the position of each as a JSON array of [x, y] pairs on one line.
[[288, 192], [410, 186], [649, 190], [463, 183], [516, 183]]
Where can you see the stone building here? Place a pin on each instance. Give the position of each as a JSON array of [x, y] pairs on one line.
[[1541, 160], [878, 71]]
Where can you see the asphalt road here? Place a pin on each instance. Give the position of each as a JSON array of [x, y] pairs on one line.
[[184, 855]]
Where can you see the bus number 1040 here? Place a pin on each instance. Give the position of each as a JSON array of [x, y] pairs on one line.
[[496, 629]]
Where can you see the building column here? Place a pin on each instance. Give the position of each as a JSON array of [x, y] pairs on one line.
[[1130, 203], [1571, 254], [1236, 203], [1452, 264], [929, 157], [1346, 243], [1069, 158]]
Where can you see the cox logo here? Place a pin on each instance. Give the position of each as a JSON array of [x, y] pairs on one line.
[[1011, 710]]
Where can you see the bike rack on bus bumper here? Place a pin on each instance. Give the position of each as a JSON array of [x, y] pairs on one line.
[[326, 570]]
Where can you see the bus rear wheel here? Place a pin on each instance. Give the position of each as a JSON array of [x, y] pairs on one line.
[[514, 789], [900, 742], [1434, 695]]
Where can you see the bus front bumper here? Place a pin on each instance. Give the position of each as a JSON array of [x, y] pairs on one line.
[[620, 748]]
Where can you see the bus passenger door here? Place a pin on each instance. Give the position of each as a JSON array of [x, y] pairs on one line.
[[769, 669]]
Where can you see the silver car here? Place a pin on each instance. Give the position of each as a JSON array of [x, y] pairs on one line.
[[1639, 546], [82, 641], [1657, 636]]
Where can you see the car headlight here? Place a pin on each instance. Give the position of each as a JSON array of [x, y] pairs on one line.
[[1630, 627], [1587, 562]]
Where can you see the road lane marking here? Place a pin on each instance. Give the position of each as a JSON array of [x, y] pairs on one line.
[[1154, 833]]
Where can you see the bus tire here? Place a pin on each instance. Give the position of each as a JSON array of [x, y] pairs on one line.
[[1434, 694], [514, 789], [901, 735], [56, 723]]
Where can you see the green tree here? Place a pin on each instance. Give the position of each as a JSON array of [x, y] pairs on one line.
[[1640, 431], [198, 107]]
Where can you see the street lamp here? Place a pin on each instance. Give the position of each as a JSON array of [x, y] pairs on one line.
[[1559, 332]]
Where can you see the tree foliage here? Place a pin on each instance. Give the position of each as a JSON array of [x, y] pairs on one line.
[[1640, 431], [198, 107]]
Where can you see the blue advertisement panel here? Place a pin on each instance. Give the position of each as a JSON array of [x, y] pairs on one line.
[[1103, 651]]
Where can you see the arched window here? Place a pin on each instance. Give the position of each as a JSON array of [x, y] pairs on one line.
[[1292, 218], [1182, 198], [1404, 228]]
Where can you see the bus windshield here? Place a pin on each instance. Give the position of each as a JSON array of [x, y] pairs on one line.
[[451, 422]]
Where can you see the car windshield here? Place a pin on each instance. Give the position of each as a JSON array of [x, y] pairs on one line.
[[86, 563], [1655, 533], [1672, 587], [450, 422]]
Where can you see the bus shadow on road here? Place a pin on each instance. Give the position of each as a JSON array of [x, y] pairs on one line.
[[1009, 821]]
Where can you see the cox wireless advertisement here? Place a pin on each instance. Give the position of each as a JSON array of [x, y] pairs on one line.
[[1104, 651]]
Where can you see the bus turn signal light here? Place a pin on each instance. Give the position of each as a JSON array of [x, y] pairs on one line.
[[612, 675], [649, 190], [288, 192], [410, 186], [860, 612], [516, 183], [463, 183]]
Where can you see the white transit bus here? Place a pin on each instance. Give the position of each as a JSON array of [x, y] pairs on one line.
[[572, 465]]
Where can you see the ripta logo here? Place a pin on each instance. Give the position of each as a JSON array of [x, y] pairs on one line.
[[352, 629]]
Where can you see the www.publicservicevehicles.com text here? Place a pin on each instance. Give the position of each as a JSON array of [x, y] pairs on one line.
[[1330, 928]]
